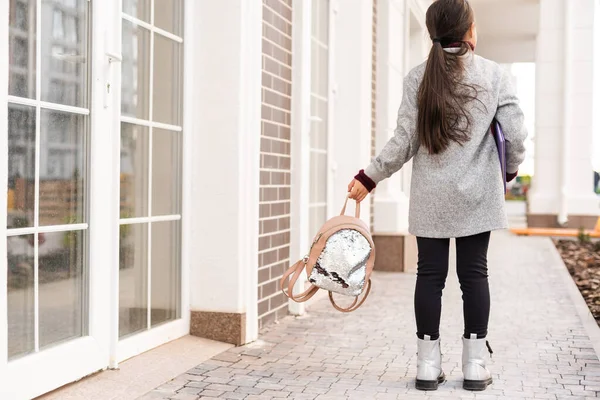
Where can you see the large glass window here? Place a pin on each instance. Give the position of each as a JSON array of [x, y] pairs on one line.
[[48, 132], [151, 164], [319, 100]]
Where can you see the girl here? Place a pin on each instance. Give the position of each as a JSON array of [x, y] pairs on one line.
[[457, 189]]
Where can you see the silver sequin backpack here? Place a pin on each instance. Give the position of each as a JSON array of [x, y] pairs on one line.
[[340, 260]]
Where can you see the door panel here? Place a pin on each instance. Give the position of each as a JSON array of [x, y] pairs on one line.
[[151, 168], [48, 174]]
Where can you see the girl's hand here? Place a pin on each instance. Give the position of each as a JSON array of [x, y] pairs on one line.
[[357, 191]]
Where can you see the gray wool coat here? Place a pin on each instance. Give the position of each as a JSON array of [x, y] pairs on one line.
[[459, 192]]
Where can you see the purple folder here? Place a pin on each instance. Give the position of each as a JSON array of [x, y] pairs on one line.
[[501, 146]]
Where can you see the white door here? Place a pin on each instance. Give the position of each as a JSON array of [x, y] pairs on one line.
[[50, 297], [151, 166], [95, 204]]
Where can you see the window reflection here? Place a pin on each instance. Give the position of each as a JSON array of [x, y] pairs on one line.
[[150, 157], [135, 71], [62, 282], [133, 278], [20, 307], [64, 39], [62, 168], [138, 9], [57, 173], [58, 31], [64, 46], [21, 161], [134, 171], [22, 36]]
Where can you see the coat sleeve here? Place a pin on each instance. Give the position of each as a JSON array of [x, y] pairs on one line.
[[511, 119], [404, 143]]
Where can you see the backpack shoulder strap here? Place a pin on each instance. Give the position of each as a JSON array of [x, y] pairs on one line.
[[293, 273]]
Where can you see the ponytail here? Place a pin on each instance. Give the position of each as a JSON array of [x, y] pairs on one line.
[[442, 97]]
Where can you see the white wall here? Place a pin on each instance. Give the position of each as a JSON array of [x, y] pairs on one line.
[[507, 50], [391, 202], [563, 165], [352, 106], [224, 241], [507, 42]]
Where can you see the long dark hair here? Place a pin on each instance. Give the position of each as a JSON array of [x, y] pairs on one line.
[[442, 98]]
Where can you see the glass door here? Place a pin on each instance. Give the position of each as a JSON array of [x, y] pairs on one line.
[[48, 214], [95, 187], [151, 165]]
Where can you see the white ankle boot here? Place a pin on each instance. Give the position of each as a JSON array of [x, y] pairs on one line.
[[477, 376], [429, 364]]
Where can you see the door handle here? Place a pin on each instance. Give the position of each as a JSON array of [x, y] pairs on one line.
[[114, 57]]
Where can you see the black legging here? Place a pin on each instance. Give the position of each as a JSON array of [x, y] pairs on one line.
[[471, 260]]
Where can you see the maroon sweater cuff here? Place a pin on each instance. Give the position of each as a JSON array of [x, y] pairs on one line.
[[510, 177], [365, 180]]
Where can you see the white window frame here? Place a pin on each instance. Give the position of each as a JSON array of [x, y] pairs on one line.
[[122, 349], [101, 349], [301, 126], [332, 94], [81, 356], [330, 97], [300, 139]]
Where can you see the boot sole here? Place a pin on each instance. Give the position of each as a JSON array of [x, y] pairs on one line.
[[477, 386], [430, 385]]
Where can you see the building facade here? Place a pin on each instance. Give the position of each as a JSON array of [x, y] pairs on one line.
[[562, 39], [166, 161], [567, 99]]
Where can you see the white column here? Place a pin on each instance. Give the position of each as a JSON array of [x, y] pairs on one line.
[[301, 83], [391, 202], [545, 197], [225, 165], [581, 197], [352, 104]]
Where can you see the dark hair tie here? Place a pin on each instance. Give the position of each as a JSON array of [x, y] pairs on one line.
[[437, 40]]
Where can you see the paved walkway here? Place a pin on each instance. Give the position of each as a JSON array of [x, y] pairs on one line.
[[542, 350]]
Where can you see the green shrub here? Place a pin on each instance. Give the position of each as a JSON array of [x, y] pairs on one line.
[[582, 236]]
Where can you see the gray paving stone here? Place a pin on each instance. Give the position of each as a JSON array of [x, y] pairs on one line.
[[189, 390], [184, 396], [212, 393], [216, 379], [153, 396], [216, 387], [233, 396], [541, 348], [249, 390], [277, 394], [199, 385], [544, 396]]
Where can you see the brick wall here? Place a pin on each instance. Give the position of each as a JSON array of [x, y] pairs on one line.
[[274, 239], [373, 99]]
